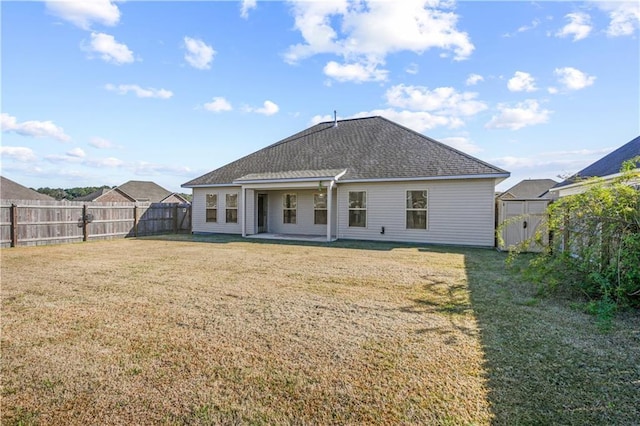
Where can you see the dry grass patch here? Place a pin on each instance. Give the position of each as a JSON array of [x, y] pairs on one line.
[[220, 330], [180, 332]]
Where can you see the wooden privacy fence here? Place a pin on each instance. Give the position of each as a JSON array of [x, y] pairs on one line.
[[27, 223]]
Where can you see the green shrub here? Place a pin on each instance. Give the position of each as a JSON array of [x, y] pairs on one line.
[[595, 244]]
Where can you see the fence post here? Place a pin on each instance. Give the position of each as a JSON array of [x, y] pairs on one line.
[[14, 225], [135, 220], [175, 218], [85, 224]]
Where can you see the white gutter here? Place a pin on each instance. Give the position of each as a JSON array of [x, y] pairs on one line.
[[329, 208], [406, 179]]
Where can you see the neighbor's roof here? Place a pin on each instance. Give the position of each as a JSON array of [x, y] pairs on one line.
[[367, 148], [529, 188], [10, 190], [608, 165], [140, 190]]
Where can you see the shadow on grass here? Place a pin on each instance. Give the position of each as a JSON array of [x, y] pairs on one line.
[[345, 244], [546, 363]]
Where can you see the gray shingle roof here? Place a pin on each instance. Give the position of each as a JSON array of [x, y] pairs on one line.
[[10, 190], [141, 190], [610, 164], [368, 148], [529, 188]]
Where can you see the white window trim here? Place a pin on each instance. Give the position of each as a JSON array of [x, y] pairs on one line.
[[326, 209], [284, 197], [207, 208], [226, 207], [349, 209], [425, 210]]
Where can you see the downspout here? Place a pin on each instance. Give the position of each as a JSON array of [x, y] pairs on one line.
[[329, 208]]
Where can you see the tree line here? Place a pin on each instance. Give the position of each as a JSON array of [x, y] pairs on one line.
[[71, 193]]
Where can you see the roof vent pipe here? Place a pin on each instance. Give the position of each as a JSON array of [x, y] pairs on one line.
[[335, 119]]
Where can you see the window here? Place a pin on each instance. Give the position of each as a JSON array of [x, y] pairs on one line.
[[358, 208], [320, 209], [212, 207], [289, 206], [232, 208], [417, 209]]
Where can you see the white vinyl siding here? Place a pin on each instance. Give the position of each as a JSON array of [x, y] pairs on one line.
[[198, 211], [460, 212], [304, 214]]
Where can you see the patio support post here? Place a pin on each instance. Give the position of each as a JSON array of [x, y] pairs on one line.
[[243, 211]]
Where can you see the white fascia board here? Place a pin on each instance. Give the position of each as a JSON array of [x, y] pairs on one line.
[[209, 185], [286, 184], [499, 177]]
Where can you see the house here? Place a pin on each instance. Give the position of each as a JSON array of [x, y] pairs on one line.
[[10, 190], [364, 179], [521, 210], [607, 168], [135, 191]]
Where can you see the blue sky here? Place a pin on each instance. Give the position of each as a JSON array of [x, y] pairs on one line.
[[101, 92]]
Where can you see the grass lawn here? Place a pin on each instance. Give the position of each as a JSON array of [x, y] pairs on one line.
[[217, 330]]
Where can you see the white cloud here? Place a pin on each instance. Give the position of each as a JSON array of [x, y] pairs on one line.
[[552, 90], [355, 72], [109, 49], [461, 143], [573, 79], [85, 12], [55, 158], [521, 82], [199, 54], [150, 92], [579, 26], [151, 169], [36, 129], [18, 153], [413, 68], [624, 17], [366, 32], [109, 162], [419, 121], [101, 143], [441, 100], [550, 163], [268, 108], [77, 152], [246, 6], [474, 79], [534, 24], [218, 104], [527, 113]]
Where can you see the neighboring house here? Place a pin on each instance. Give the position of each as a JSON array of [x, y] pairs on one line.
[[366, 179], [528, 189], [10, 190], [607, 168], [135, 191], [521, 210]]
